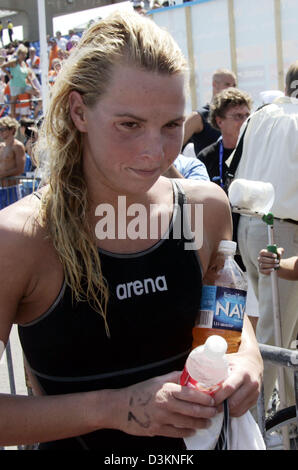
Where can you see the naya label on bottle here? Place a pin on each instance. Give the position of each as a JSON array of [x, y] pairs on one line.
[[222, 307]]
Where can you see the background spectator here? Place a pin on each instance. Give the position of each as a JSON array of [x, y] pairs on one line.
[[73, 38], [33, 62], [22, 78], [270, 154], [53, 52], [61, 41], [197, 128], [1, 33], [10, 30], [53, 73], [228, 110], [12, 161]]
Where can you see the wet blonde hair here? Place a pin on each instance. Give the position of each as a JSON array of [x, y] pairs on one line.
[[122, 38]]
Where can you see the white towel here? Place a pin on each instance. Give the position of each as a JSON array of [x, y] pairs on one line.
[[206, 439], [245, 434]]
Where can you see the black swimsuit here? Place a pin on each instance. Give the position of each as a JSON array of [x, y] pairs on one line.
[[154, 298]]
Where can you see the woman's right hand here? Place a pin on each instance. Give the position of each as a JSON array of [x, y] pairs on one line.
[[162, 407]]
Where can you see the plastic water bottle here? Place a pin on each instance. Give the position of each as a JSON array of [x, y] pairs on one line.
[[205, 369], [223, 300]]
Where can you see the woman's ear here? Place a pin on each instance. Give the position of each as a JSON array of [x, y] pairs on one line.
[[78, 111]]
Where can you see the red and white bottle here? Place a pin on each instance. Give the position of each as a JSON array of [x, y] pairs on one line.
[[205, 369]]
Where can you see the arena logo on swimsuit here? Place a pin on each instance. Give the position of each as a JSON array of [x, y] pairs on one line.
[[147, 286]]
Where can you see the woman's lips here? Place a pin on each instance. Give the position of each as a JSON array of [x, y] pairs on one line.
[[146, 172]]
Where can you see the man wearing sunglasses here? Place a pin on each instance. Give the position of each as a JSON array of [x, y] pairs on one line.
[[197, 129], [229, 110], [12, 161]]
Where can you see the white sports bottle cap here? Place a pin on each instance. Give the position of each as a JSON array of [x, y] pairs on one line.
[[215, 346], [227, 246]]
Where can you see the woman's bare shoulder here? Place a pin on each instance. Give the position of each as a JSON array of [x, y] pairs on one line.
[[203, 192], [19, 224], [211, 204], [22, 253]]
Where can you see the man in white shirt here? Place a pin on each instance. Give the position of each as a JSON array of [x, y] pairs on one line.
[[270, 154], [61, 41]]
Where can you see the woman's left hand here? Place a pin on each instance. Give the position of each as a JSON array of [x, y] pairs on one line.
[[243, 385]]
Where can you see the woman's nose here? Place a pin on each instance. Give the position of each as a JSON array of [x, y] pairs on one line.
[[153, 147]]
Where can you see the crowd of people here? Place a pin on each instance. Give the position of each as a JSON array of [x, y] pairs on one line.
[[21, 108], [20, 75], [98, 380]]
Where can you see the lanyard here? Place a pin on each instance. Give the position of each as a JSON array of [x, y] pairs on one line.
[[221, 151], [219, 179]]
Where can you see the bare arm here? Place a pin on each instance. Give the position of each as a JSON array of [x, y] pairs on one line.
[[193, 124], [32, 419], [27, 420], [35, 65], [243, 384], [288, 268], [158, 406], [7, 65], [31, 77]]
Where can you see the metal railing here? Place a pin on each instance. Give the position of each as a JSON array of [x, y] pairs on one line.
[[14, 188], [29, 100], [281, 358], [33, 103]]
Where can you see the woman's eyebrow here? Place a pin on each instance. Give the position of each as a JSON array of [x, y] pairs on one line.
[[130, 115], [133, 116]]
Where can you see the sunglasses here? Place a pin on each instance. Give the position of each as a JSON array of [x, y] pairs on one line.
[[238, 116], [2, 129]]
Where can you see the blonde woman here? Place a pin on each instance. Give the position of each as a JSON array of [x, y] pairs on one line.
[[106, 294], [22, 77]]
